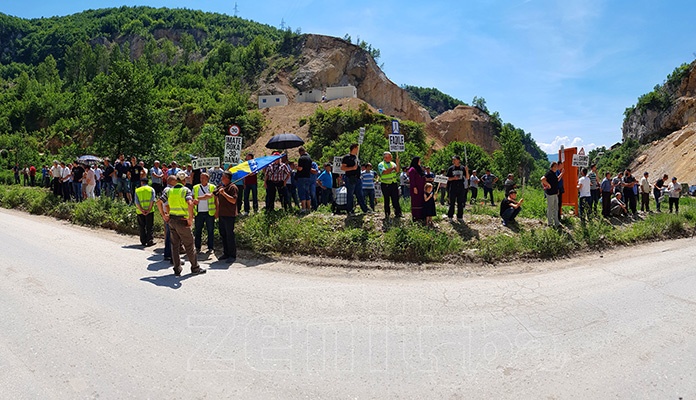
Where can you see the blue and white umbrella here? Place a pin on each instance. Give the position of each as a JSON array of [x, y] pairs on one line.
[[89, 159]]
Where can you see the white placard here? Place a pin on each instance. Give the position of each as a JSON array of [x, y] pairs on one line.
[[397, 143], [208, 162], [233, 149], [337, 165], [378, 190], [361, 137], [441, 179], [580, 160]]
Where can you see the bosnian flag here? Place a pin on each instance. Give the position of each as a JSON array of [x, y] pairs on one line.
[[253, 166]]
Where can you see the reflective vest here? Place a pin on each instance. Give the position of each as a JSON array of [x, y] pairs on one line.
[[176, 198], [144, 195], [211, 201], [390, 177]]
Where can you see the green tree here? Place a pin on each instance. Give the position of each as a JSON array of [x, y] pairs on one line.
[[125, 119], [512, 157]]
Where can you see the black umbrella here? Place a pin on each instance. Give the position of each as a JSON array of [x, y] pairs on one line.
[[284, 141]]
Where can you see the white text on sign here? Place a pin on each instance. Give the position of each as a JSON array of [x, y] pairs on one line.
[[397, 143]]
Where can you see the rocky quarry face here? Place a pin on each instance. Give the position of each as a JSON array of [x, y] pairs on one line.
[[464, 124], [650, 124], [328, 61]]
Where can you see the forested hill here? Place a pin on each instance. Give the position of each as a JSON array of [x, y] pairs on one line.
[[432, 99], [154, 82]]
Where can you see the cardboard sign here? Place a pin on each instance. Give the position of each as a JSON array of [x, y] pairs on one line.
[[233, 149], [209, 162], [337, 165], [441, 179], [397, 143]]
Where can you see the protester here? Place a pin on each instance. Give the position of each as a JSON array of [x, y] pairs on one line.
[[585, 195], [606, 187], [429, 176], [179, 214], [25, 175], [325, 182], [123, 188], [510, 208], [250, 189], [488, 180], [509, 184], [405, 184], [629, 197], [674, 189], [595, 191], [289, 192], [204, 212], [473, 186], [274, 180], [429, 203], [90, 182], [77, 174], [561, 189], [457, 174], [144, 202], [443, 189], [45, 180], [32, 176], [227, 195], [303, 177], [658, 187], [66, 180], [215, 174], [56, 173], [109, 176], [416, 177], [98, 176], [550, 183], [313, 191], [617, 183], [388, 173], [157, 177], [135, 176], [351, 166], [368, 185], [645, 193], [15, 171], [618, 207]]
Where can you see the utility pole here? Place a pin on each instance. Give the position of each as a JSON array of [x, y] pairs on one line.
[[236, 9]]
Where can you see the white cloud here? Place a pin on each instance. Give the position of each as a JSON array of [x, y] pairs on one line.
[[566, 142]]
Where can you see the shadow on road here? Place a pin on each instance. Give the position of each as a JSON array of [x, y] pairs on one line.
[[133, 246], [170, 281]]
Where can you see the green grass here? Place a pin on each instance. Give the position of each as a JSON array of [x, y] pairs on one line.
[[373, 238]]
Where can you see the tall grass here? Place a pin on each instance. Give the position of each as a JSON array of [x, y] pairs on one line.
[[372, 238]]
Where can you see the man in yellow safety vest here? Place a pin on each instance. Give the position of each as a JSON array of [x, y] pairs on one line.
[[179, 214], [144, 203]]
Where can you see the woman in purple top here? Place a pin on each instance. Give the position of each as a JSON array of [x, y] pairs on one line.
[[417, 177]]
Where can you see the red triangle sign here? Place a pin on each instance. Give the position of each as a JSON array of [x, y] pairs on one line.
[[582, 151]]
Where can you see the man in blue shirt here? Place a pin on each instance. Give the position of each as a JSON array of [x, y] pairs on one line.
[[325, 181]]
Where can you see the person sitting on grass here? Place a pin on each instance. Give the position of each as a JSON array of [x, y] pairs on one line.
[[618, 207], [510, 207]]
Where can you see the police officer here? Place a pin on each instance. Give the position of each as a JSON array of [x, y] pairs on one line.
[[389, 180], [179, 215], [144, 203]]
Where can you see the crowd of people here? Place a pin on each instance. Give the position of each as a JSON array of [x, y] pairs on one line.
[[618, 194], [191, 200]]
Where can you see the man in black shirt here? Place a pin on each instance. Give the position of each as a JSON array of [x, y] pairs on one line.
[[550, 183], [657, 190], [303, 178], [629, 182], [510, 207], [457, 175], [351, 166], [107, 178], [135, 170], [77, 173]]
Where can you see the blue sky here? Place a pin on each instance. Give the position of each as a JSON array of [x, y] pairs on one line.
[[562, 70]]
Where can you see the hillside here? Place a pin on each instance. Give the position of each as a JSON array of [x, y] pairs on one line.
[[674, 155], [166, 83]]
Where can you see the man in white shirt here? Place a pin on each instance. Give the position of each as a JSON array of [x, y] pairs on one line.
[[585, 194], [97, 179], [56, 172], [674, 189], [66, 180], [645, 189]]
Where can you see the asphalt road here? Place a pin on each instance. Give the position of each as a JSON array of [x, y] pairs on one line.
[[87, 314]]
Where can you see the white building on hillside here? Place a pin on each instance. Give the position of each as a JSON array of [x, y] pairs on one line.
[[331, 93], [274, 100], [311, 96]]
